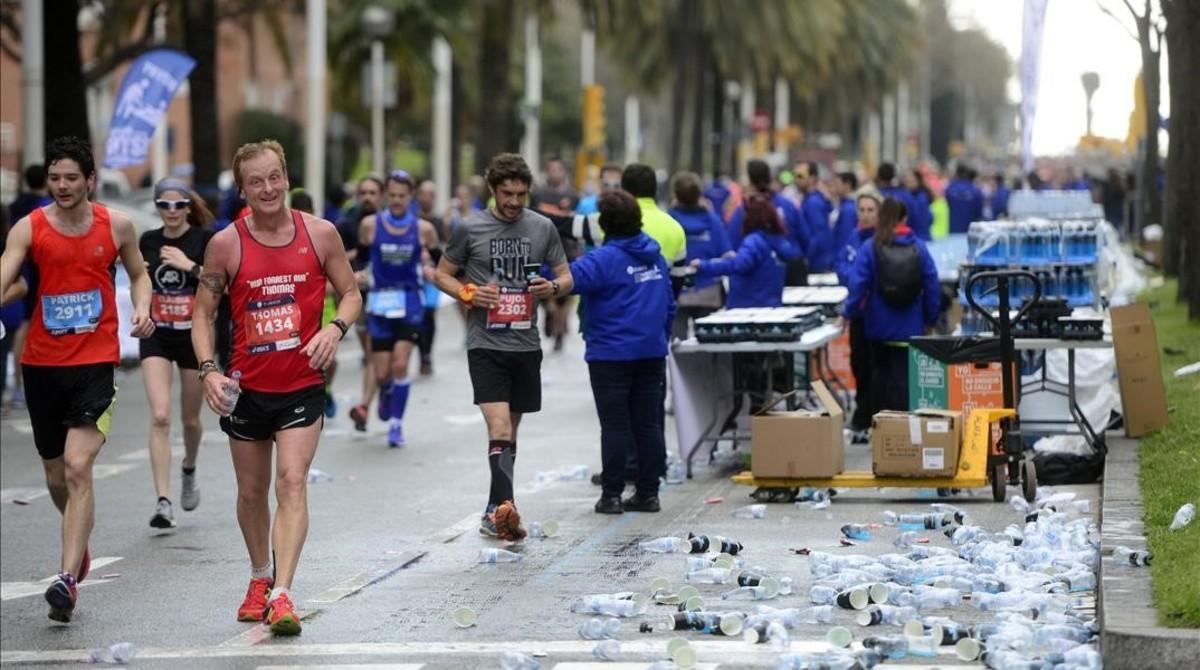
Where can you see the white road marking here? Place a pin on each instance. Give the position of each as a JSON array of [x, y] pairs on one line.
[[22, 495], [11, 590], [23, 426], [619, 666], [711, 651], [463, 419], [365, 579], [344, 666]]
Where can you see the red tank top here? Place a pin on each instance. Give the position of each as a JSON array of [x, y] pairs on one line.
[[276, 297], [74, 319]]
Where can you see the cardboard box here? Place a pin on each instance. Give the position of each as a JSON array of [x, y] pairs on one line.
[[916, 444], [961, 387], [798, 443], [1139, 370]]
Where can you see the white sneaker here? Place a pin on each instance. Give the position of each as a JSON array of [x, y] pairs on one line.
[[189, 497]]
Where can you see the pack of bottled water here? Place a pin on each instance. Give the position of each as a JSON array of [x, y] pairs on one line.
[[1033, 242]]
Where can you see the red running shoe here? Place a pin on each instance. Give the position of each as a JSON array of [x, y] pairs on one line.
[[508, 522], [282, 617], [254, 607]]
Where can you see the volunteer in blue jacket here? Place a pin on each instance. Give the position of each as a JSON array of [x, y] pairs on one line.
[[758, 270], [844, 227], [868, 202], [630, 309], [817, 211], [964, 199], [894, 288], [706, 238], [759, 174], [920, 217]]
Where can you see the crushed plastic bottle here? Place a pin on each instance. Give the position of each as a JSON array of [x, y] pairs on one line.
[[874, 615], [767, 631], [757, 511], [496, 555], [666, 545], [857, 531], [930, 521], [515, 660], [709, 576], [749, 593], [316, 476], [906, 539], [612, 606], [786, 586], [957, 514], [1134, 557], [899, 646], [119, 653], [675, 473], [600, 628], [608, 650], [837, 659], [793, 617], [1183, 517], [813, 499]]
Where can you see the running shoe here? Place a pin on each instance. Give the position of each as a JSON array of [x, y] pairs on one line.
[[62, 595], [254, 607], [426, 367], [281, 616], [487, 523], [85, 566], [330, 406], [189, 497], [508, 522], [395, 435], [359, 415], [384, 410], [164, 516]]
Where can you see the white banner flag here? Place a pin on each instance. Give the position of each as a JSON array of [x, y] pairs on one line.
[[1034, 21]]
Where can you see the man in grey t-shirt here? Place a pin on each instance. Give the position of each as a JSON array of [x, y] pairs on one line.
[[501, 252]]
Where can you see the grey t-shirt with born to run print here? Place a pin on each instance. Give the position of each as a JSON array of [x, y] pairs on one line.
[[486, 247]]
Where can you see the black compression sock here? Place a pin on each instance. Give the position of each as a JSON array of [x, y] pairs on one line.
[[500, 459]]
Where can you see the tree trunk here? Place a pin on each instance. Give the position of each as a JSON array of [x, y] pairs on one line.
[[683, 37], [495, 95], [1151, 198], [1182, 240], [700, 72], [200, 41], [457, 102], [65, 92]]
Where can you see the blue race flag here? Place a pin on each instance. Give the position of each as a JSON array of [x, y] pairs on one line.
[[141, 103]]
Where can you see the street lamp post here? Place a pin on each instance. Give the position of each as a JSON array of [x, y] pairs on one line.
[[377, 23], [1091, 82]]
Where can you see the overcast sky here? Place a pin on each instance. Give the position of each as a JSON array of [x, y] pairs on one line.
[[1078, 37]]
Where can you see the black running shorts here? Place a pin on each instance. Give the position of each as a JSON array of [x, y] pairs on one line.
[[64, 397], [258, 415], [514, 377], [173, 345]]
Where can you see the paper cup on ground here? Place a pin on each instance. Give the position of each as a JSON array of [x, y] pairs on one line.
[[693, 604], [914, 628], [966, 649], [684, 657], [688, 591], [660, 584], [465, 617], [675, 643], [723, 561], [731, 624], [856, 598], [770, 585], [879, 593], [550, 528], [839, 636], [871, 616]]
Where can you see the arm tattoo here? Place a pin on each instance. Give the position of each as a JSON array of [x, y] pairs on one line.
[[214, 281]]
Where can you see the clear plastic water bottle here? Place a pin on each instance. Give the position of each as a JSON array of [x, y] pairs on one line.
[[757, 511], [666, 545], [709, 576], [930, 521], [1134, 557], [119, 653], [232, 390], [608, 650], [749, 593], [604, 604], [857, 531], [874, 615], [600, 628], [496, 555], [1184, 516], [515, 660]]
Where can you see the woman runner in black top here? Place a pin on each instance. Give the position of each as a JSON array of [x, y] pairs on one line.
[[174, 254]]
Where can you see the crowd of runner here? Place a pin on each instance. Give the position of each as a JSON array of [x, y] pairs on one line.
[[250, 306]]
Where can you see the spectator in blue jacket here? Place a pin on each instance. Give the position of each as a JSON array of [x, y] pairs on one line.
[[885, 181], [759, 174], [868, 202], [706, 238], [847, 217], [817, 210], [964, 199], [920, 217], [894, 289], [630, 309], [758, 270], [998, 204]]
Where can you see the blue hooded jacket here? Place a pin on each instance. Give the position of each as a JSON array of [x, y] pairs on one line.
[[630, 305], [758, 271], [820, 252], [717, 193], [706, 236], [965, 201], [882, 322], [789, 214], [920, 217], [1000, 202], [843, 231], [849, 252]]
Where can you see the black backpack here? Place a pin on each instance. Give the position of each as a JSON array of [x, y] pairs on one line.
[[898, 273]]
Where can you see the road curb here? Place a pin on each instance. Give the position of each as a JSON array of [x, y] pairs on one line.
[[1130, 636]]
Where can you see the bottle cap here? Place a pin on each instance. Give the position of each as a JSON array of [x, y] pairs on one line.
[[465, 617]]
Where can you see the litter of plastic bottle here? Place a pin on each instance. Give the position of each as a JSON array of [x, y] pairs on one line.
[[930, 521], [119, 653], [496, 555], [515, 660], [1134, 557], [768, 631], [600, 628], [1183, 516], [758, 511], [785, 586], [675, 473], [702, 543], [666, 545], [712, 623], [543, 529], [316, 476], [608, 650], [749, 593], [813, 499], [577, 472], [874, 615], [856, 531], [899, 646], [610, 605], [835, 659], [709, 576]]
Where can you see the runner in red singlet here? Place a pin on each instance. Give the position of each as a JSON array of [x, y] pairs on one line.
[[274, 263], [72, 346]]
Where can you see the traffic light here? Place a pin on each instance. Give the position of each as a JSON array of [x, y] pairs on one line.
[[593, 116]]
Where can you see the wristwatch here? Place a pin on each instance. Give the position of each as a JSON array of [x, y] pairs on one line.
[[207, 367], [341, 326], [196, 270]]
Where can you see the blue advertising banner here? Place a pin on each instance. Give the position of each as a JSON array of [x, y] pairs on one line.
[[141, 103]]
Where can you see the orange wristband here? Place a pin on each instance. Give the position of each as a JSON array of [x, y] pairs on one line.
[[467, 293]]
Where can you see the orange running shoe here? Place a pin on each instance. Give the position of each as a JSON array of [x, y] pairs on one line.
[[254, 607], [282, 617], [508, 522]]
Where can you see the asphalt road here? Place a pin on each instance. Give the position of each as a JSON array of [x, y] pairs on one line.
[[393, 540]]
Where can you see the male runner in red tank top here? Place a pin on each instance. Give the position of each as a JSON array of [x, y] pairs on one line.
[[274, 264], [72, 345]]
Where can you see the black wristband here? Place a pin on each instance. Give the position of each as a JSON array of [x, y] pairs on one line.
[[341, 326], [207, 367]]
